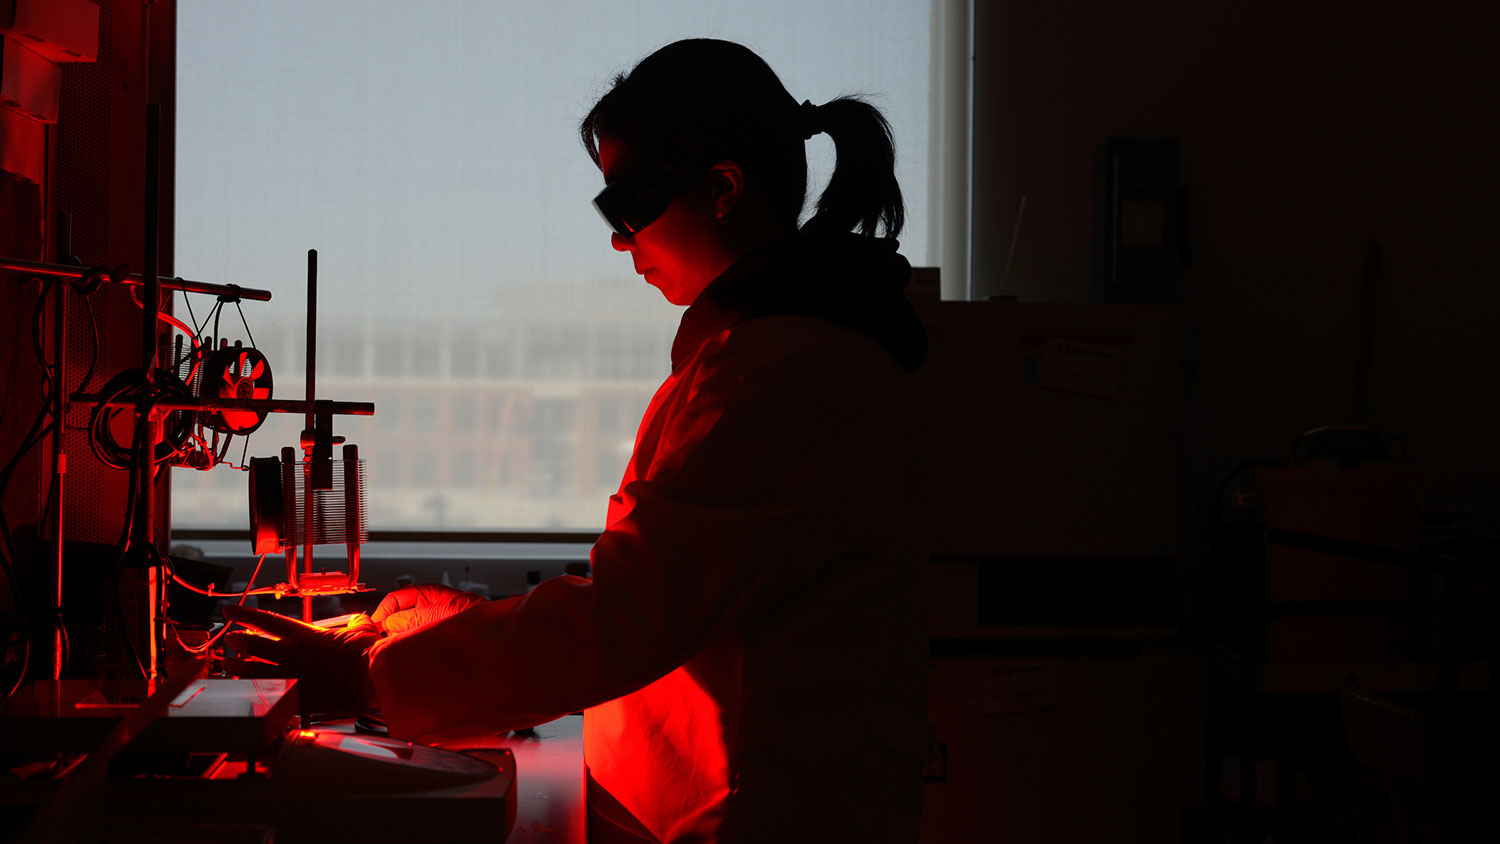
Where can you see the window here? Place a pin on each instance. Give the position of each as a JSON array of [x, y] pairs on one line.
[[390, 357], [389, 413], [425, 354], [463, 355], [424, 417], [463, 414], [610, 468], [628, 352], [497, 360], [556, 350], [429, 152], [551, 465], [462, 474], [609, 417], [499, 415], [348, 355], [551, 418]]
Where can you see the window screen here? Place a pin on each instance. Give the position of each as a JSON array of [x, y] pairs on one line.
[[429, 152]]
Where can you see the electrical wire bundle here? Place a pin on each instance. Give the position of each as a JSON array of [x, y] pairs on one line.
[[248, 591], [196, 439], [199, 440], [35, 610]]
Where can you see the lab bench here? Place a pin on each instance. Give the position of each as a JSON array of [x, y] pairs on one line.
[[223, 760], [549, 782]]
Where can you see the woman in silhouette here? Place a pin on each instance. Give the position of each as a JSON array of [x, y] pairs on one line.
[[751, 648]]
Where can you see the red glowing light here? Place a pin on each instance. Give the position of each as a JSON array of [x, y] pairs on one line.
[[241, 384]]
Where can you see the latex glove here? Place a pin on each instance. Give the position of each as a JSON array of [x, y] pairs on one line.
[[411, 607], [332, 666]]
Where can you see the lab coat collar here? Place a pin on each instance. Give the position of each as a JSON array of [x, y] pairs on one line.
[[851, 280]]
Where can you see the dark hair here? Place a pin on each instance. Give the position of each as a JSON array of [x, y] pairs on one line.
[[696, 102]]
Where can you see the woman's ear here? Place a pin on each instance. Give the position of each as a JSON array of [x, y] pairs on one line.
[[727, 182]]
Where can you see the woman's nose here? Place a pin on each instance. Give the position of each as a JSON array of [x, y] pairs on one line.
[[619, 243]]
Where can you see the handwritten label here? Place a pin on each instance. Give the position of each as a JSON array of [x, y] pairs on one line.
[[1008, 688], [1084, 368]]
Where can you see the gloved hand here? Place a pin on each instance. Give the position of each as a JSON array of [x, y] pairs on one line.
[[411, 607], [332, 666]]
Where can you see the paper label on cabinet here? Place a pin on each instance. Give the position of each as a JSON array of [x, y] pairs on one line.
[[1085, 368], [1008, 688]]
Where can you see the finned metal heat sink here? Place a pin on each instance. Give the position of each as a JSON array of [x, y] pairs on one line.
[[284, 513]]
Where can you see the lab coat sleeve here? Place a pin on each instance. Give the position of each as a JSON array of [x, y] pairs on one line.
[[744, 501]]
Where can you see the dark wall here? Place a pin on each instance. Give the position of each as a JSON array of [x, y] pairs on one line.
[[95, 173], [1307, 130]]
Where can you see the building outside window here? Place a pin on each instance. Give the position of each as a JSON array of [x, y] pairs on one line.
[[466, 286], [463, 415]]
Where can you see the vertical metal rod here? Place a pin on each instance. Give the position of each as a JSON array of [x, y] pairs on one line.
[[149, 313], [59, 464], [352, 510], [1364, 351], [312, 331], [308, 428], [289, 496], [146, 503]]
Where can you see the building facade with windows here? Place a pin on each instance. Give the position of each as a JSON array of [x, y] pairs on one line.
[[523, 415]]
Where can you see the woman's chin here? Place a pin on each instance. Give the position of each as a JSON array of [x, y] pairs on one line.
[[672, 294]]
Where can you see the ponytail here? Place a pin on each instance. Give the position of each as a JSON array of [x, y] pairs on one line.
[[696, 102], [862, 192]]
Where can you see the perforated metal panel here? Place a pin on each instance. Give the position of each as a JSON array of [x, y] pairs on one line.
[[337, 515], [97, 184], [81, 193]]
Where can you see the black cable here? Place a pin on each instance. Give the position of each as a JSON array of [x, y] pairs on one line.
[[52, 511], [109, 452], [53, 380], [35, 435], [25, 666], [135, 657], [128, 384], [249, 590], [166, 562], [88, 376], [88, 304], [67, 641], [33, 439], [22, 585], [120, 553], [197, 326], [36, 328], [187, 354], [185, 425], [21, 598], [122, 549], [25, 592], [103, 444], [155, 558], [94, 278], [244, 323], [41, 426]]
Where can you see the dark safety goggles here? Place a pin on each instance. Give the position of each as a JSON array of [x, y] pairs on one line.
[[634, 202]]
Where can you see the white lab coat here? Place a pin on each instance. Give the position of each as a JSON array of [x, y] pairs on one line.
[[751, 650]]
